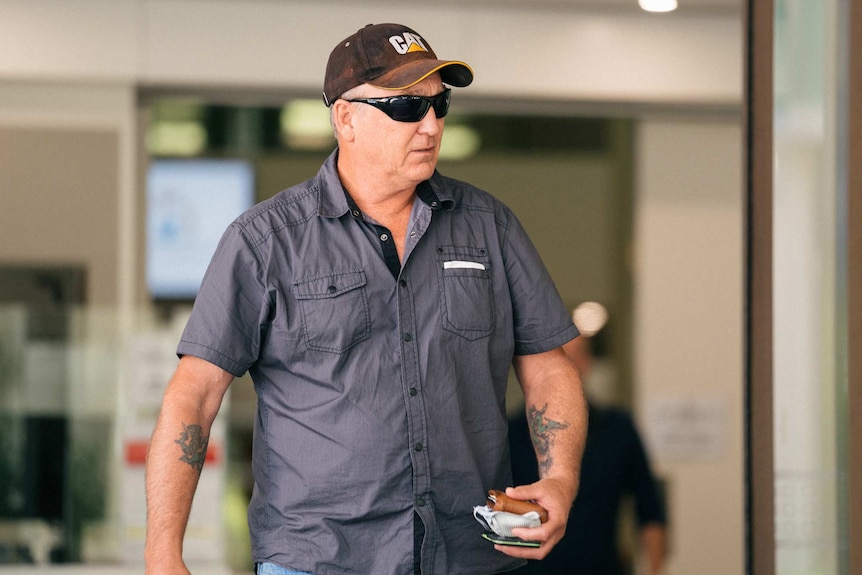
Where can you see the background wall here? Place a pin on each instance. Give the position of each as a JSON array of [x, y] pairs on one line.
[[523, 48], [75, 68], [688, 309], [65, 180]]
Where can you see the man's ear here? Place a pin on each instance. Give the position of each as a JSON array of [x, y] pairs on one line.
[[342, 118]]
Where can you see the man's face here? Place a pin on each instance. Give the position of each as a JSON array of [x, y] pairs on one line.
[[405, 151]]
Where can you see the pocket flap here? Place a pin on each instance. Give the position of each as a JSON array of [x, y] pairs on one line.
[[328, 286]]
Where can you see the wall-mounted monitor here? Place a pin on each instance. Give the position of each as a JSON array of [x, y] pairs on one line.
[[190, 203]]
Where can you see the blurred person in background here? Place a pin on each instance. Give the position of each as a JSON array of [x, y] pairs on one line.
[[615, 466]]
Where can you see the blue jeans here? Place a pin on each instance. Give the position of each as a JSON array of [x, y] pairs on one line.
[[273, 569]]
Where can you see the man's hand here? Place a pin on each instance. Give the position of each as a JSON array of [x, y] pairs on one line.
[[554, 495]]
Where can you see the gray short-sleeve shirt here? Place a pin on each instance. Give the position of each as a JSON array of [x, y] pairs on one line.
[[380, 389]]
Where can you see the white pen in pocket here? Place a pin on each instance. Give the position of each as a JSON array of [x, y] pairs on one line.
[[458, 264]]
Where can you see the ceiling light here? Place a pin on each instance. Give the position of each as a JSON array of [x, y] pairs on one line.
[[459, 142], [658, 5], [176, 138], [305, 125]]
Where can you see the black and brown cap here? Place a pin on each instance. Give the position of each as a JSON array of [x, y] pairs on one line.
[[389, 56]]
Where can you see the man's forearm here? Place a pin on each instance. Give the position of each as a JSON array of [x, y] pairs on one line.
[[556, 414], [174, 462], [557, 418], [176, 457], [553, 446], [557, 429]]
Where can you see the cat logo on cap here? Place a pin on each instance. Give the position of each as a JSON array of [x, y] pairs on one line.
[[407, 43]]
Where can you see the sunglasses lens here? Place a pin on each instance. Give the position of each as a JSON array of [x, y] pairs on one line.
[[407, 109], [413, 108], [410, 108], [441, 103]]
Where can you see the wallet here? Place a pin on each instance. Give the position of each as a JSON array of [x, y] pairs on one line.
[[502, 514]]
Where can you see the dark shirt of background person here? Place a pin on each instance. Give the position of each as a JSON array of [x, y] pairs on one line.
[[615, 465]]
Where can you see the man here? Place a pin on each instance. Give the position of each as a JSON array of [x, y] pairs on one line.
[[377, 307], [615, 465]]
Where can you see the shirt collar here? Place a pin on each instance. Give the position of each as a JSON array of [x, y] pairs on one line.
[[435, 195], [334, 201]]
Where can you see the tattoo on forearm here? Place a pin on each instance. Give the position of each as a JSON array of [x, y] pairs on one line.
[[194, 445], [543, 430]]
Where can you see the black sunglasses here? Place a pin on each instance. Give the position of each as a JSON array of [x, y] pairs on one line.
[[410, 108]]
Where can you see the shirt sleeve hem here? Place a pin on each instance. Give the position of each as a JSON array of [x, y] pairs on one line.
[[211, 355], [568, 333]]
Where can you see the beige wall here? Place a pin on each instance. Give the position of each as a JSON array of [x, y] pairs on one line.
[[688, 309], [65, 191], [527, 49]]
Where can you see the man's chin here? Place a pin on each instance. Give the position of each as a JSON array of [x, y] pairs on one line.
[[425, 167]]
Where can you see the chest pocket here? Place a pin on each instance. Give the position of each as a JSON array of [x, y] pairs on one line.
[[465, 277], [334, 311]]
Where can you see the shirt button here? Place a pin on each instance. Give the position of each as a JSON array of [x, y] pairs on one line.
[[420, 502], [412, 234], [331, 289], [383, 237], [413, 391], [408, 337], [402, 283], [356, 213], [418, 447]]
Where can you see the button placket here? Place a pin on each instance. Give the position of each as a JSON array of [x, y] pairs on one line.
[[416, 423]]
